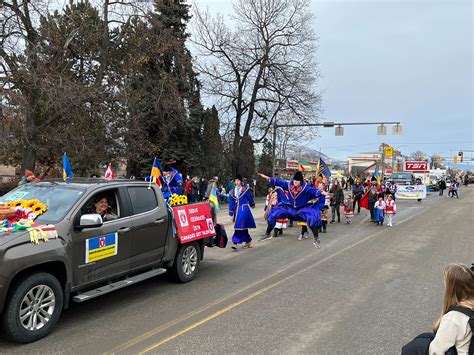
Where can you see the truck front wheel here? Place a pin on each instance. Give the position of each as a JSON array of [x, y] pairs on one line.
[[33, 308], [186, 263]]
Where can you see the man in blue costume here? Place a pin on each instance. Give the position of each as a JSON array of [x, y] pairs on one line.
[[303, 204], [171, 182]]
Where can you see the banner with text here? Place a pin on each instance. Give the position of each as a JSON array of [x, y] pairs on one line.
[[410, 192], [194, 222]]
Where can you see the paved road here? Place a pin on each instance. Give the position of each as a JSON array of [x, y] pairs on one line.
[[367, 291]]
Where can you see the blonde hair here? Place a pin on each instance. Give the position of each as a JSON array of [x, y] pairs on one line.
[[459, 287]]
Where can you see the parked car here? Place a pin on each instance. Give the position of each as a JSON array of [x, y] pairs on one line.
[[38, 281], [434, 183], [403, 178]]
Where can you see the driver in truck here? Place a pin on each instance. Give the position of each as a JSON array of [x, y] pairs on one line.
[[101, 207]]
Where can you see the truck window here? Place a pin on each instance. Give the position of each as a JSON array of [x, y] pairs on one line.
[[104, 203], [142, 198]]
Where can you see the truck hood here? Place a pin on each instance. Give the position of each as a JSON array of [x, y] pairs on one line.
[[20, 236]]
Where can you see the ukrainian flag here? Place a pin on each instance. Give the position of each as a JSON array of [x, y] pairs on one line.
[[213, 197], [156, 170], [67, 170], [376, 174]]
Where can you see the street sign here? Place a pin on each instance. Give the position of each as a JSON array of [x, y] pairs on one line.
[[416, 166], [388, 151]]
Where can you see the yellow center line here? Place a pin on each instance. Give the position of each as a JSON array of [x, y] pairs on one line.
[[252, 296], [204, 308]]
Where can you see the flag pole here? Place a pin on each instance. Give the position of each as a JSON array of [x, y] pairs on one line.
[[151, 177]]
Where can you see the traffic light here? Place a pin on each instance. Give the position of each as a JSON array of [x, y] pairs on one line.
[[455, 159], [461, 156]]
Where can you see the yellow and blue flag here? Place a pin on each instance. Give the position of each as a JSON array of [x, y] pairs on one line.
[[376, 174], [156, 172], [213, 197], [67, 170]]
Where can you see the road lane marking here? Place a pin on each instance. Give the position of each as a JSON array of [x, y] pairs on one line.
[[255, 294], [208, 306]]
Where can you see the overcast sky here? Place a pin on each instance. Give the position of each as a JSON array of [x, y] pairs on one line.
[[408, 61]]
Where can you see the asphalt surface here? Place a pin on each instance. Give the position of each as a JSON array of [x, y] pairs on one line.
[[369, 290]]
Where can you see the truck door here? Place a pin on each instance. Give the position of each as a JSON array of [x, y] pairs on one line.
[[149, 226], [102, 252]]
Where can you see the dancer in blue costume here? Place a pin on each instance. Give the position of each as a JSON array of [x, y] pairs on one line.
[[240, 202], [304, 204], [171, 182]]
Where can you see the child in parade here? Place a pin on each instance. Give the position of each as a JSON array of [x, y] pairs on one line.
[[240, 202], [274, 196], [390, 209], [348, 209], [454, 188], [299, 206], [324, 219], [379, 209]]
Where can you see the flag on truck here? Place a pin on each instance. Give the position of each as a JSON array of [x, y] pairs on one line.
[[67, 170], [109, 174], [156, 172]]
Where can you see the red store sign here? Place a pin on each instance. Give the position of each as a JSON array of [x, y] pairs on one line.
[[193, 222], [416, 166]]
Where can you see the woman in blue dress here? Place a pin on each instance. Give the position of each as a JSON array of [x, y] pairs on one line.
[[240, 202]]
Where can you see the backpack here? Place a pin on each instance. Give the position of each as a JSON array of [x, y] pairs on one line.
[[220, 240], [421, 344]]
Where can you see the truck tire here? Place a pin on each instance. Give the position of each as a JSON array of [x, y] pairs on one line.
[[186, 263], [33, 307]]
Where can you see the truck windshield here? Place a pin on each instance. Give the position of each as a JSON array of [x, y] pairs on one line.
[[58, 199]]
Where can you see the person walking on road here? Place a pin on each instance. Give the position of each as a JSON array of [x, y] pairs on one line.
[[466, 180], [442, 186], [348, 209], [336, 201], [454, 189], [379, 208], [240, 202], [357, 191], [452, 327], [390, 209], [372, 199]]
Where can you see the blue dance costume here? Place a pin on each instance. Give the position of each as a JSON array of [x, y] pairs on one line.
[[240, 203], [299, 205], [171, 186]]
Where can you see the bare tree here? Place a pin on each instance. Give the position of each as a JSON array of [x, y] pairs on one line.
[[260, 69]]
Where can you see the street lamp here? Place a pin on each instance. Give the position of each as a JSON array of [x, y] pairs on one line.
[[339, 131], [381, 130]]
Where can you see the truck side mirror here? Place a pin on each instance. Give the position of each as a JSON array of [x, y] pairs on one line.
[[92, 220]]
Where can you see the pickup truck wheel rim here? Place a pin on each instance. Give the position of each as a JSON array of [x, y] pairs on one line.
[[37, 307], [189, 260]]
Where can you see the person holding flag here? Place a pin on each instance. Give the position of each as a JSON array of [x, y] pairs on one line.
[[67, 170]]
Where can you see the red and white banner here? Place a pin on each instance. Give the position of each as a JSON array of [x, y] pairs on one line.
[[109, 174], [194, 222], [416, 166]]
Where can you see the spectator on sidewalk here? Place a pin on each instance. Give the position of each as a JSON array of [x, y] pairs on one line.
[[202, 189], [194, 189], [28, 177], [452, 327]]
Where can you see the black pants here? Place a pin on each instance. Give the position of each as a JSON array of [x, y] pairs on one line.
[[357, 201], [336, 209], [323, 226], [372, 209], [455, 192], [441, 192]]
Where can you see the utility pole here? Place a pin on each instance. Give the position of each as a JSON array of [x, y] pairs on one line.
[[383, 161]]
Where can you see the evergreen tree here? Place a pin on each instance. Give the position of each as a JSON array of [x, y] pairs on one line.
[[212, 147]]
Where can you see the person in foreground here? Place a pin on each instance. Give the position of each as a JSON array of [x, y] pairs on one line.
[[452, 328]]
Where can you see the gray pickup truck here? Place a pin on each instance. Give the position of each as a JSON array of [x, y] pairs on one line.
[[96, 250]]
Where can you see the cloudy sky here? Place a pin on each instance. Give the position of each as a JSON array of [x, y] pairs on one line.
[[408, 61]]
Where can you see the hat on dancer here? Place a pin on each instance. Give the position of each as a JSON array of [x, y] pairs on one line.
[[238, 177], [167, 168], [298, 176]]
